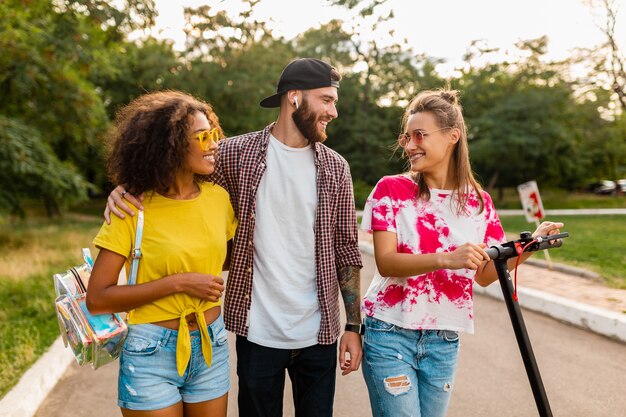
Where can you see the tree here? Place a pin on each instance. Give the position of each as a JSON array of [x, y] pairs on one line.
[[607, 76], [52, 52], [378, 81], [526, 121], [28, 168], [141, 67], [232, 62], [609, 58]]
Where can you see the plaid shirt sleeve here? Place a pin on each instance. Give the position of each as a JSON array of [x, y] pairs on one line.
[[336, 239], [346, 233]]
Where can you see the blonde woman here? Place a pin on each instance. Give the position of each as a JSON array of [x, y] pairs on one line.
[[430, 227]]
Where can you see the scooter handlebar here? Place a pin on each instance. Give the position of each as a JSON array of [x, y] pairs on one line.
[[543, 242], [547, 245], [499, 251]]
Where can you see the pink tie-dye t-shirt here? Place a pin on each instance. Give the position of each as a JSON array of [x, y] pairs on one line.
[[441, 299]]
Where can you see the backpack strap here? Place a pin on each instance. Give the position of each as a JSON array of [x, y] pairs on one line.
[[136, 255]]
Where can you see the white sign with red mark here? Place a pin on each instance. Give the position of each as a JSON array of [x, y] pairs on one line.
[[531, 201]]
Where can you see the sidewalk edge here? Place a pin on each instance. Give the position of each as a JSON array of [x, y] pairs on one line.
[[24, 399], [566, 269], [604, 322], [598, 320]]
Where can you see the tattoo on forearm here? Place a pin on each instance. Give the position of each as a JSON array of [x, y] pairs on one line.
[[350, 285]]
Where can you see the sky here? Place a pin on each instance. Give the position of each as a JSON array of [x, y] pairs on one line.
[[440, 28]]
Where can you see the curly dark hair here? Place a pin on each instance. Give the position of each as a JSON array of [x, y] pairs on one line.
[[148, 142]]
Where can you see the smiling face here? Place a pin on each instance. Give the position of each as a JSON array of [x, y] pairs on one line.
[[432, 155], [317, 109], [200, 161]]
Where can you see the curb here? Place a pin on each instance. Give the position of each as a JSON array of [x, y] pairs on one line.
[[595, 319], [566, 269], [24, 399]]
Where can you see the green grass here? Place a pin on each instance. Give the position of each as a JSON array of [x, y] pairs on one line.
[[559, 199], [31, 252], [597, 243]]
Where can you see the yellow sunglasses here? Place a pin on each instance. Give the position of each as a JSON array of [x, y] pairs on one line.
[[207, 136]]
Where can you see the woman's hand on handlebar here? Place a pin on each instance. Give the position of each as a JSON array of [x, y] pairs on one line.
[[547, 229]]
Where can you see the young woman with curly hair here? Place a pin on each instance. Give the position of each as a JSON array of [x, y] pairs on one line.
[[175, 358]]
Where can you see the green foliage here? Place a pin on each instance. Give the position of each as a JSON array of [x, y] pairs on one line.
[[216, 35], [52, 54], [67, 67], [140, 67], [525, 129], [362, 190], [27, 327], [42, 73], [233, 62], [28, 168], [609, 151], [527, 122], [365, 134], [235, 93], [329, 41], [375, 80]]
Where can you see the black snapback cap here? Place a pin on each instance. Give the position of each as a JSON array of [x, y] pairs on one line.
[[301, 74]]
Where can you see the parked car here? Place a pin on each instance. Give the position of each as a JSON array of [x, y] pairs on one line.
[[621, 185], [603, 187]]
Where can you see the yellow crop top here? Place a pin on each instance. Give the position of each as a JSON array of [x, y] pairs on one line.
[[178, 236]]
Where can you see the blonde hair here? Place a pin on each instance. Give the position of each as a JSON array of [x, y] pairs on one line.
[[445, 107]]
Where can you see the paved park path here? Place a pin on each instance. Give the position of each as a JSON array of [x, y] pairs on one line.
[[584, 374]]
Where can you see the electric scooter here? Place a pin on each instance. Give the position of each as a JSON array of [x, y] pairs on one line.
[[500, 254]]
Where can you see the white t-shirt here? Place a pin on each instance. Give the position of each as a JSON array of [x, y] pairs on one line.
[[284, 311], [438, 300]]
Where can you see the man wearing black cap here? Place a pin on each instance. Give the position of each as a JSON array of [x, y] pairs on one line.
[[295, 249]]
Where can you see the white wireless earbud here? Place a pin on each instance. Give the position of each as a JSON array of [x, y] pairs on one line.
[[295, 101]]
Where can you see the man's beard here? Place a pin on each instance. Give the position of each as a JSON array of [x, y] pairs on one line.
[[306, 121]]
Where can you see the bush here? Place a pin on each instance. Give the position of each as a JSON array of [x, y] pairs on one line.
[[362, 190]]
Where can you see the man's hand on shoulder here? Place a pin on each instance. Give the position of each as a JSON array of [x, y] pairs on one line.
[[117, 204]]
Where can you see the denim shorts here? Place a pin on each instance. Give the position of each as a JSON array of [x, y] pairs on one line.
[[148, 378], [408, 372]]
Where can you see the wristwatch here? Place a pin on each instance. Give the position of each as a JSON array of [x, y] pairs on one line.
[[356, 328]]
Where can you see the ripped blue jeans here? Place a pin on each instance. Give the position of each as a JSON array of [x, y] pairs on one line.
[[408, 372]]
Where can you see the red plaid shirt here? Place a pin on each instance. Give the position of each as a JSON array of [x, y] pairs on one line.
[[240, 166]]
